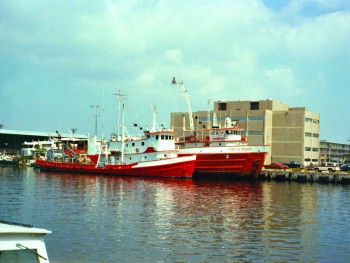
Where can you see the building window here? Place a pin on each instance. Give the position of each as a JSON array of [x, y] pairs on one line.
[[254, 105], [307, 149], [308, 134], [222, 105], [256, 118], [315, 149], [316, 121], [308, 120], [256, 132], [315, 135]]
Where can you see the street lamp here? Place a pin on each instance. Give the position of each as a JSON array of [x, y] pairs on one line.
[[96, 108]]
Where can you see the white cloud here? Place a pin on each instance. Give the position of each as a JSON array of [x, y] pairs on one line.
[[321, 38], [221, 50], [283, 80], [174, 55]]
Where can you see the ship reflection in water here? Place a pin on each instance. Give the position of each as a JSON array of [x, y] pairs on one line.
[[124, 219]]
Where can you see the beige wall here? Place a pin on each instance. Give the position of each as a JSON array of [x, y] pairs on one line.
[[292, 133]]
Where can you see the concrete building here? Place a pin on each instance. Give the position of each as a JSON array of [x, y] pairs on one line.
[[334, 152], [292, 133]]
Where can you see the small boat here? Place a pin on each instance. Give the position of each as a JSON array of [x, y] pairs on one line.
[[222, 151], [34, 149], [22, 243], [7, 160], [151, 155]]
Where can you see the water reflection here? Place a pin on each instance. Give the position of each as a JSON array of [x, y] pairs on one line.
[[119, 219]]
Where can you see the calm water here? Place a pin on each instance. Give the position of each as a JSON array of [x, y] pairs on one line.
[[119, 219]]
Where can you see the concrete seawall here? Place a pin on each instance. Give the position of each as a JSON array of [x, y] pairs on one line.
[[302, 176]]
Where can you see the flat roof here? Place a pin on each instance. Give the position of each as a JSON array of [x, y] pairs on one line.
[[47, 134]]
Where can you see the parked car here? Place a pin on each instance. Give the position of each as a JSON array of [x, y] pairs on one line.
[[329, 166], [276, 166], [345, 167], [310, 167], [294, 164]]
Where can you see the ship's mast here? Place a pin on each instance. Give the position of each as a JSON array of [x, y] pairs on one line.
[[181, 85], [154, 124], [119, 97], [208, 115], [123, 135]]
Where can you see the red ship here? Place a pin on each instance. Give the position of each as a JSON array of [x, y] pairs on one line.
[[151, 154], [181, 167], [221, 151], [221, 154]]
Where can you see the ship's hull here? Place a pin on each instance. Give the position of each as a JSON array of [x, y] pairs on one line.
[[227, 162], [176, 167]]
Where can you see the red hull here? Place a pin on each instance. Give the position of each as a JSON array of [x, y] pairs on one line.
[[230, 165], [93, 158], [183, 169]]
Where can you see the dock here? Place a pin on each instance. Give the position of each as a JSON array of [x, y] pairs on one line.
[[305, 176]]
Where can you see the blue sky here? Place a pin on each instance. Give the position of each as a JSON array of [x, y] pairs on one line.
[[57, 58]]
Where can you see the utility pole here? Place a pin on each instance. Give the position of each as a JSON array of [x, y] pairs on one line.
[[329, 152], [73, 130], [96, 108]]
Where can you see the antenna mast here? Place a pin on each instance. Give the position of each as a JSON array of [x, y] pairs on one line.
[[154, 125], [123, 138], [119, 97], [208, 115]]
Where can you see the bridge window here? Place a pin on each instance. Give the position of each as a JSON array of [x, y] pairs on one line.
[[222, 105], [254, 105]]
